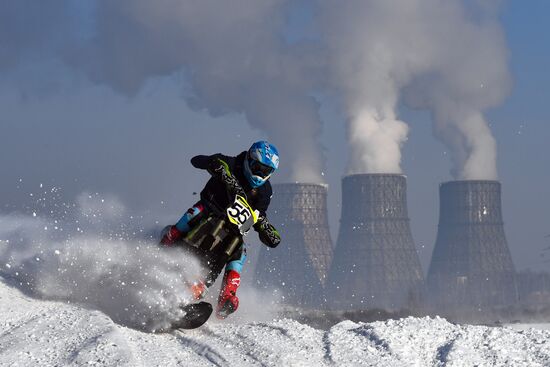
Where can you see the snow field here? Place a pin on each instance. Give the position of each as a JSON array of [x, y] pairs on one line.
[[45, 333]]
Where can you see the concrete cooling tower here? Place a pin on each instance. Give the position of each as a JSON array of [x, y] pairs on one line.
[[298, 266], [375, 260], [471, 264]]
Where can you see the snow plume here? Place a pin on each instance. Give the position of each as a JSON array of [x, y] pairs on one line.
[[449, 57], [133, 281], [233, 59]]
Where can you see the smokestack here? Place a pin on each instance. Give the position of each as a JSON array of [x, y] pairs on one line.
[[375, 262], [299, 266], [471, 264]]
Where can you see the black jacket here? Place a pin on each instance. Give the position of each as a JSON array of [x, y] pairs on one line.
[[216, 190]]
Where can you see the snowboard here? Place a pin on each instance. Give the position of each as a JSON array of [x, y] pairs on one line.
[[196, 314]]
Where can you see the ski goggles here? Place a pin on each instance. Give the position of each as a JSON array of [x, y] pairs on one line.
[[259, 169]]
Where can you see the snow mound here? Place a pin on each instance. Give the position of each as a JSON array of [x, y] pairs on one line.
[[45, 333]]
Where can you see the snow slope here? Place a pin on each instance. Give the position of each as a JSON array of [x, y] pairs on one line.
[[46, 333]]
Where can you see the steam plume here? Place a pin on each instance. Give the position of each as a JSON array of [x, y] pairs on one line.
[[233, 55], [446, 56], [436, 55]]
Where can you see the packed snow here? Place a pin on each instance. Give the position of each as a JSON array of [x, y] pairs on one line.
[[48, 333]]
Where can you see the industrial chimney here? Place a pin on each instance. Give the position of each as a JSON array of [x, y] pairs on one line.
[[299, 265], [471, 264], [375, 263]]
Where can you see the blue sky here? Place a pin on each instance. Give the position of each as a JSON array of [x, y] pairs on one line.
[[59, 129]]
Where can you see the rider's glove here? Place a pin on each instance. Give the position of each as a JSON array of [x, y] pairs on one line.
[[219, 169], [267, 233]]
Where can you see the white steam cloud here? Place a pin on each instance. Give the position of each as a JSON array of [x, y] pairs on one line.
[[449, 57], [233, 55], [369, 65]]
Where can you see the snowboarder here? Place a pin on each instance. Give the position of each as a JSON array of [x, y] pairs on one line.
[[246, 175]]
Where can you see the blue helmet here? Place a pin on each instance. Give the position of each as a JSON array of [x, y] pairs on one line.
[[262, 159]]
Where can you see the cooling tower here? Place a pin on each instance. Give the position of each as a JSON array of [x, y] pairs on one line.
[[299, 265], [375, 260], [471, 264]]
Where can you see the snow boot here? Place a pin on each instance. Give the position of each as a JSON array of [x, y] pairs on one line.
[[228, 302], [172, 235], [198, 289]]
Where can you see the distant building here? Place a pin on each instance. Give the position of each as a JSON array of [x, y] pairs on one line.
[[471, 265], [375, 264], [298, 267]]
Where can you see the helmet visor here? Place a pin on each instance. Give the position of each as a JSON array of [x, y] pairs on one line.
[[259, 169]]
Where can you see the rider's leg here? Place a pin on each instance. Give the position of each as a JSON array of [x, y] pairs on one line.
[[228, 302], [177, 231]]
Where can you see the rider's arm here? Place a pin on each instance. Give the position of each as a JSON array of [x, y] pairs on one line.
[[203, 161], [218, 167], [266, 231]]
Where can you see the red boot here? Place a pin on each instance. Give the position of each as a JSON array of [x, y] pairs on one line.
[[198, 289], [228, 302], [171, 236]]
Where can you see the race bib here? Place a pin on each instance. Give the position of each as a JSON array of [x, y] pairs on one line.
[[242, 215]]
